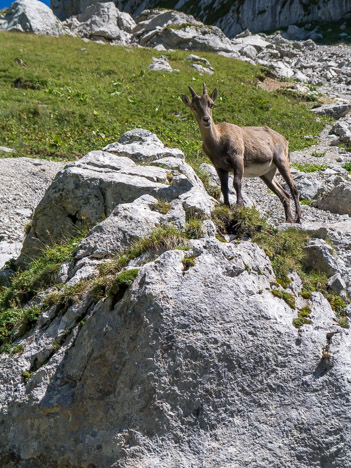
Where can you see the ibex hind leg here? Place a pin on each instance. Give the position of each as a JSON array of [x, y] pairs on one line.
[[269, 180], [282, 163]]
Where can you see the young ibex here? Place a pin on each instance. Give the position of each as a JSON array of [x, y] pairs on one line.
[[247, 151]]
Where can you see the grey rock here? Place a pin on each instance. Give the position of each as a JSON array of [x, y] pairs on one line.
[[102, 21], [336, 110], [4, 149], [32, 16], [202, 69], [336, 284], [176, 30], [196, 58], [87, 191], [23, 182], [161, 64], [342, 129], [319, 256], [142, 146], [337, 199], [127, 222], [249, 51]]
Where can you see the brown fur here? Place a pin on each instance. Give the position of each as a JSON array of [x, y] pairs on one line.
[[247, 151]]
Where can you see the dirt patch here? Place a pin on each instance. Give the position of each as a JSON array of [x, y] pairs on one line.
[[271, 85]]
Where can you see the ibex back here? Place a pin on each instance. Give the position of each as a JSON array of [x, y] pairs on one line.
[[247, 151]]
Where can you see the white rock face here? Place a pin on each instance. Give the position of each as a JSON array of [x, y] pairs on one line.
[[102, 21], [32, 16], [23, 182], [186, 354]]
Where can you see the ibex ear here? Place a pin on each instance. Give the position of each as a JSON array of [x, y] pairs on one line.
[[185, 99], [214, 95]]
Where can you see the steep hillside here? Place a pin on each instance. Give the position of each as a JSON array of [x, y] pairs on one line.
[[61, 98]]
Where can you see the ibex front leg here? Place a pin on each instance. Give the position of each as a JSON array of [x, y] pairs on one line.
[[223, 177]]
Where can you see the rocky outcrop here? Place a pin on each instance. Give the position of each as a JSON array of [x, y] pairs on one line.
[[185, 368], [87, 191], [175, 30], [232, 16], [31, 16]]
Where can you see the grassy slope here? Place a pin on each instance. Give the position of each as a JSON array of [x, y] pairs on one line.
[[87, 95]]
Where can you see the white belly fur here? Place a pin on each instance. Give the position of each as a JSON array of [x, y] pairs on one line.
[[257, 170]]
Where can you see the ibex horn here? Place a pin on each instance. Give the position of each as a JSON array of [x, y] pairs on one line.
[[205, 89], [192, 91]]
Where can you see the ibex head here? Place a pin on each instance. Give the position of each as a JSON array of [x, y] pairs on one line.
[[201, 106]]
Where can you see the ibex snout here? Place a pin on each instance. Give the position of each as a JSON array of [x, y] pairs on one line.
[[206, 120]]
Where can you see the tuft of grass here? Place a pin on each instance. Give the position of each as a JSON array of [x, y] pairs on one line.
[[16, 318], [123, 280], [318, 154], [302, 317], [309, 167], [287, 297], [344, 322], [65, 89], [162, 206], [306, 202], [347, 166]]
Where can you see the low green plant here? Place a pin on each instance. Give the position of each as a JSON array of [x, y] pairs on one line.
[[26, 376], [347, 166], [287, 297], [309, 167], [344, 322], [123, 280], [306, 202], [302, 317], [318, 154], [162, 206]]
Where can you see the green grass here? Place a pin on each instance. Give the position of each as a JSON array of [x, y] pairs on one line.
[[70, 97], [15, 316], [347, 166], [309, 167]]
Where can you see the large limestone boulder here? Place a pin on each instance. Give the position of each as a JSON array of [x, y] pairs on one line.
[[32, 16], [102, 21], [85, 192], [176, 30], [189, 367]]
